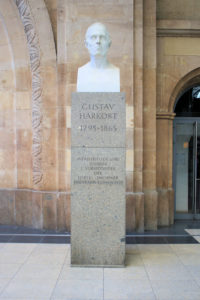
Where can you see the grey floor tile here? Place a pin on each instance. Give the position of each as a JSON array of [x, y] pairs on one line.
[[147, 297], [39, 271], [78, 289], [68, 258], [194, 271], [8, 270], [190, 259], [134, 272], [12, 257], [52, 248], [3, 283], [197, 238], [186, 249], [153, 259], [158, 249], [47, 258], [128, 289], [29, 289], [75, 273], [133, 260], [55, 298], [197, 280], [193, 231], [176, 289], [172, 272], [132, 249], [19, 248]]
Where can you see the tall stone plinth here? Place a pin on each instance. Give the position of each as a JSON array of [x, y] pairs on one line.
[[98, 179]]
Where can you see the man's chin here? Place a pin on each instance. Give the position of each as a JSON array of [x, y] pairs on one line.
[[99, 54]]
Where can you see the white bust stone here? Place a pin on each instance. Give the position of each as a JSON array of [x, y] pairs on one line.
[[98, 75]]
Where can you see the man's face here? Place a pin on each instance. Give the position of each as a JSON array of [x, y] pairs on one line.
[[97, 41]]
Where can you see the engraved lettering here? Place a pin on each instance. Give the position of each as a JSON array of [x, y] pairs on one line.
[[96, 106], [98, 116], [99, 170]]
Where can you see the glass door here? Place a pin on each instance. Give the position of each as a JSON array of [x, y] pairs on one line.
[[187, 168], [196, 167]]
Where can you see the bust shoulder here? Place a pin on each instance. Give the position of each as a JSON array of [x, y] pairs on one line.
[[93, 79], [87, 67]]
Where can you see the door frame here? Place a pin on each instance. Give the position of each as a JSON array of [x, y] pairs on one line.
[[181, 216]]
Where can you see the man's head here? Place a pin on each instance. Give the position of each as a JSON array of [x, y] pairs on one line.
[[97, 40]]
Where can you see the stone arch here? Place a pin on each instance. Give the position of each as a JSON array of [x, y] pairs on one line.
[[186, 82], [32, 47], [34, 54], [42, 56], [165, 149]]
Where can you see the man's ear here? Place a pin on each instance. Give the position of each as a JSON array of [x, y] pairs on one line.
[[110, 43]]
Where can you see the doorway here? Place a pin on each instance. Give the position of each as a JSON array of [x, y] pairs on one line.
[[186, 159], [187, 168]]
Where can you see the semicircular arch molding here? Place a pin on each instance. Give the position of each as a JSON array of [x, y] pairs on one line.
[[42, 55], [188, 81]]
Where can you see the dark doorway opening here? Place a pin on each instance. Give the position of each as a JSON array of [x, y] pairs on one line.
[[187, 155]]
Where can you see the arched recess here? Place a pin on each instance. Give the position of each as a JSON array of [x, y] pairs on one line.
[[20, 90], [25, 22], [8, 163], [165, 149], [17, 80]]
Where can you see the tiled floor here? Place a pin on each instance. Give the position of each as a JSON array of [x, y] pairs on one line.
[[157, 272], [35, 265]]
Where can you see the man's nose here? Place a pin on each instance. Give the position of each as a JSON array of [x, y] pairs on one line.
[[98, 40]]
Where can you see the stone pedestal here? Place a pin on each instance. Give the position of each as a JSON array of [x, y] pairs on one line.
[[98, 179]]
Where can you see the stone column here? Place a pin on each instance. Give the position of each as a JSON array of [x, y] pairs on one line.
[[149, 115], [98, 179], [138, 116], [164, 168]]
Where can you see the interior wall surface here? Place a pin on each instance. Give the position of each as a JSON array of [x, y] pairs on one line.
[[156, 46]]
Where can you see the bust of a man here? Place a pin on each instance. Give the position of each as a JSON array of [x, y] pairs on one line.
[[98, 75]]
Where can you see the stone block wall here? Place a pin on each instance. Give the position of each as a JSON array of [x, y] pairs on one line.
[[40, 210]]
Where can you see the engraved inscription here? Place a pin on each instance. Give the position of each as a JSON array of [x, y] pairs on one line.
[[98, 112], [99, 121], [95, 128], [98, 170]]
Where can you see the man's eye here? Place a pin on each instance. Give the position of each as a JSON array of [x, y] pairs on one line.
[[93, 37]]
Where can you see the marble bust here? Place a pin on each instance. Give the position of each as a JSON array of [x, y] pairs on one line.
[[98, 75]]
